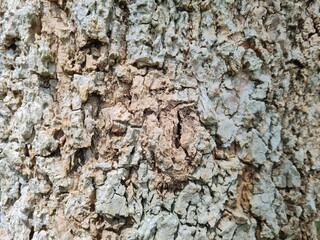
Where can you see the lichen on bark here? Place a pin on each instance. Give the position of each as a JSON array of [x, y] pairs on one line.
[[159, 119]]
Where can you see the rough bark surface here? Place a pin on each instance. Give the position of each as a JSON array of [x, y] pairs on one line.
[[159, 119]]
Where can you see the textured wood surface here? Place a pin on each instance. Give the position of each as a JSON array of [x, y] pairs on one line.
[[159, 119]]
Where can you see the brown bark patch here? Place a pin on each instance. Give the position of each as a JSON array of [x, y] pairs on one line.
[[246, 180]]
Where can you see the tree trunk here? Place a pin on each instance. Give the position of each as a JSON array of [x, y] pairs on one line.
[[159, 119]]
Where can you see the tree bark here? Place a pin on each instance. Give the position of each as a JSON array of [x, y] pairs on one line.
[[159, 119]]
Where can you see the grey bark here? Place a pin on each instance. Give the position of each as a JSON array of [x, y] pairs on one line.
[[159, 119]]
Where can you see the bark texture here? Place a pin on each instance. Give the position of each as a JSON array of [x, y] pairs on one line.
[[150, 119]]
